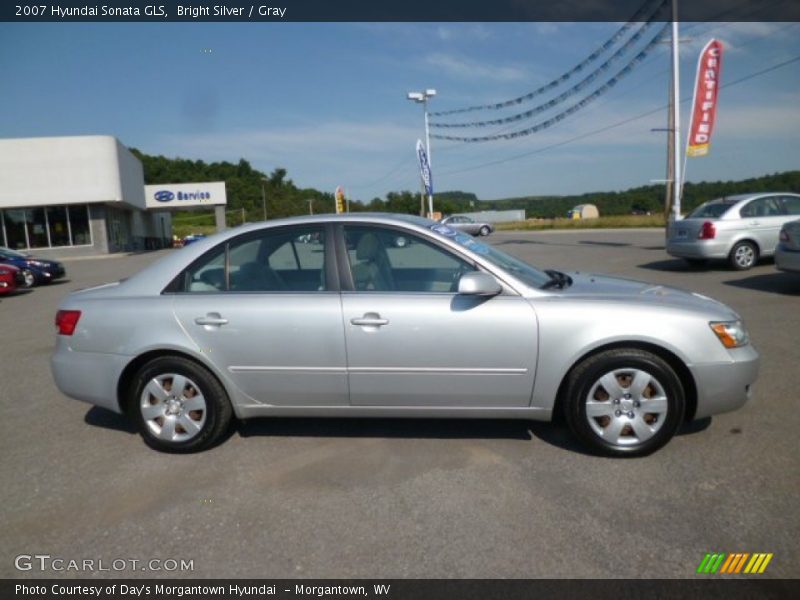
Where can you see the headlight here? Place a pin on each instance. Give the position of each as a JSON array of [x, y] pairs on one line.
[[732, 334]]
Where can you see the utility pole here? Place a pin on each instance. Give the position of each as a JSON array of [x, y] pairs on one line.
[[311, 206], [264, 197], [670, 180]]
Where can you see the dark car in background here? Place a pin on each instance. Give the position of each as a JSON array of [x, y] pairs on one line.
[[34, 271], [787, 254]]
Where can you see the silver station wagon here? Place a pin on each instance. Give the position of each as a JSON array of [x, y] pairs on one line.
[[740, 229], [366, 315]]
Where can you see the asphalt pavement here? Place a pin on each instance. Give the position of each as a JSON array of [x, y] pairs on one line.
[[386, 498]]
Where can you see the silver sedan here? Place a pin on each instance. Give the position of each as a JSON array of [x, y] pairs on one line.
[[467, 225], [740, 229], [253, 322]]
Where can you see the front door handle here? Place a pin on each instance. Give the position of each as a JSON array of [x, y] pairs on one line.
[[370, 319], [214, 319]]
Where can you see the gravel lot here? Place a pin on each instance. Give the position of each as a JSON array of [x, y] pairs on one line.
[[418, 498]]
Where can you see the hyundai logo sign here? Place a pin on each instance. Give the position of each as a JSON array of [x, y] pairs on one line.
[[164, 196], [168, 196]]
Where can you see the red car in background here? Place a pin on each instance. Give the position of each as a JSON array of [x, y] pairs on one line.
[[10, 277]]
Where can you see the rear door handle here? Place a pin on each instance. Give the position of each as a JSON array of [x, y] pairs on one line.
[[211, 319], [370, 320]]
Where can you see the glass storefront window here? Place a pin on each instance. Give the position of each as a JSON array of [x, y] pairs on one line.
[[57, 222], [43, 227], [79, 222], [37, 228], [15, 228]]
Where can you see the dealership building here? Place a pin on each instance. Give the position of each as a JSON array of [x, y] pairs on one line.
[[73, 196]]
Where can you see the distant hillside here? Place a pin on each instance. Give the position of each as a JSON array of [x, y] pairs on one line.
[[244, 186], [646, 198]]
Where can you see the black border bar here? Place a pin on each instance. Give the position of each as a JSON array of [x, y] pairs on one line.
[[159, 11], [703, 587]]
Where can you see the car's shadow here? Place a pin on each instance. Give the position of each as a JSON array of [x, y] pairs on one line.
[[386, 428], [556, 434], [677, 264], [106, 419], [787, 284]]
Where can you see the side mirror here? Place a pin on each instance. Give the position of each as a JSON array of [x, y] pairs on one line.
[[476, 283]]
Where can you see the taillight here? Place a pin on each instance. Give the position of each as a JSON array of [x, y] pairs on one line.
[[784, 236], [67, 321], [707, 231]]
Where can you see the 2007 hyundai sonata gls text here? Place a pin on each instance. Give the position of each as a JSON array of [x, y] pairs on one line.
[[375, 316]]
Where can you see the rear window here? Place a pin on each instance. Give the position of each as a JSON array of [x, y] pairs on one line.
[[711, 210]]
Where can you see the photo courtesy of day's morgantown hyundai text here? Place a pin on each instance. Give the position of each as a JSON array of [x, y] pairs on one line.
[[372, 315]]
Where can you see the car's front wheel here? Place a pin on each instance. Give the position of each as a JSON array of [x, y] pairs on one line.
[[485, 231], [624, 402], [743, 256], [178, 405]]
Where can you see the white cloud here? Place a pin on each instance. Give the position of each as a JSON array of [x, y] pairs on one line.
[[464, 68]]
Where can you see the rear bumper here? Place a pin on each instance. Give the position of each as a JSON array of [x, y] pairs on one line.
[[723, 387], [701, 249], [787, 259], [88, 376]]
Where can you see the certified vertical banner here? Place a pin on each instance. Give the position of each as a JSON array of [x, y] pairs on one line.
[[706, 92], [338, 196], [424, 168]]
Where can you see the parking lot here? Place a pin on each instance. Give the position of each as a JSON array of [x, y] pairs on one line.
[[337, 498]]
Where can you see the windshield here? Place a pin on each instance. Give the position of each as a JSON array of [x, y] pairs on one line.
[[712, 209], [523, 271]]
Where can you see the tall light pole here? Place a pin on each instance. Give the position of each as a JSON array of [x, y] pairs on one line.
[[422, 98], [264, 196], [676, 117]]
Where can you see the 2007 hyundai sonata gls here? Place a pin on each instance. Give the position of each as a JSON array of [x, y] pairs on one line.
[[379, 315]]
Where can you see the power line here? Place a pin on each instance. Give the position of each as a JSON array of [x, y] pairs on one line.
[[619, 123], [577, 68], [586, 81]]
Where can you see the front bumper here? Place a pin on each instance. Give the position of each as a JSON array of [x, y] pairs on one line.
[[700, 249], [787, 259], [723, 387]]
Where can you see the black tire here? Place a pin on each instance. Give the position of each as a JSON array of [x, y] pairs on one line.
[[215, 416], [29, 279], [584, 380], [485, 231], [743, 256]]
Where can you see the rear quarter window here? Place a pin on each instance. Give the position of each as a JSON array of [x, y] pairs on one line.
[[711, 210]]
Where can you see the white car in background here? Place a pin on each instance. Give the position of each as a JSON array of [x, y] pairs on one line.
[[740, 229]]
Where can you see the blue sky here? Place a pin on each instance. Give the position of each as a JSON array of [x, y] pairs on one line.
[[327, 101]]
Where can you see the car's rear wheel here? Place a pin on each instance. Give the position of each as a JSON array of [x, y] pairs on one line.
[[624, 402], [178, 405], [28, 278], [743, 256], [485, 231]]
